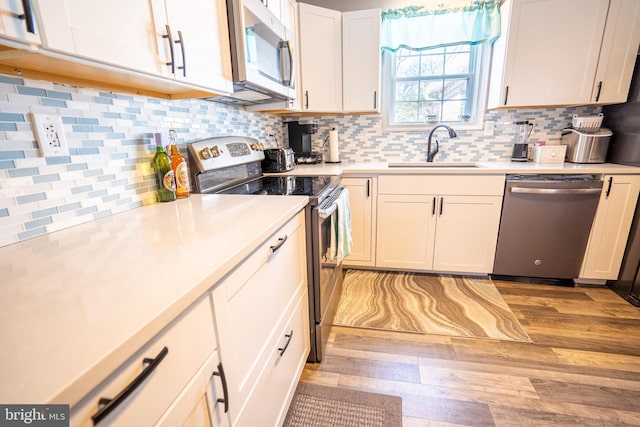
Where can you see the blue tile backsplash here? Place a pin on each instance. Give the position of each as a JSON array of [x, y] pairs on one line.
[[110, 143]]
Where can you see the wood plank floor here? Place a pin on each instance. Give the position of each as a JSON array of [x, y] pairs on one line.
[[582, 369]]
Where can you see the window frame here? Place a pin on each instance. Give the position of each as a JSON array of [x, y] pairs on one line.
[[479, 103]]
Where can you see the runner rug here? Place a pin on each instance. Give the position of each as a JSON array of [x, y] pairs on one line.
[[410, 302], [320, 406]]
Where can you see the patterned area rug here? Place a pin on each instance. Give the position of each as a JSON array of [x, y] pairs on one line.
[[320, 406], [411, 302]]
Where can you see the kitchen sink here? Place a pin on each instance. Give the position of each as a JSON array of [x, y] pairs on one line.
[[432, 165]]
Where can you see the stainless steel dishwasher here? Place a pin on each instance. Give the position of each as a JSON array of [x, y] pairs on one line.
[[545, 225]]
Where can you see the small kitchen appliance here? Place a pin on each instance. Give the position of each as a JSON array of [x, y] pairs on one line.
[[278, 160], [299, 133], [521, 147], [583, 147]]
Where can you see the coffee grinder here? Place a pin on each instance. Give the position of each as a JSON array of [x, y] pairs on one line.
[[300, 141], [521, 146]]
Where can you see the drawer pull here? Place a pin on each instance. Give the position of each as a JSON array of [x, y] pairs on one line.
[[277, 246], [287, 341], [106, 405], [172, 64], [225, 392]]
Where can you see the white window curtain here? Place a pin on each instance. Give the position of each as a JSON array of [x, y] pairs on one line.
[[467, 21]]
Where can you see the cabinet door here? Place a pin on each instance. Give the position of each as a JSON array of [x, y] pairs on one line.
[[405, 231], [115, 32], [275, 6], [466, 233], [552, 50], [321, 58], [13, 27], [361, 195], [201, 41], [610, 229], [361, 61], [618, 52]]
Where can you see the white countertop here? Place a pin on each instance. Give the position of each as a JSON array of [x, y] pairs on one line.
[[76, 303], [482, 168]]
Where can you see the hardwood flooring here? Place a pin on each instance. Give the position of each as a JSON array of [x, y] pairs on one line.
[[582, 368]]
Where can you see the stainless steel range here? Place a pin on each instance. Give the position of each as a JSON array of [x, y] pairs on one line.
[[231, 165]]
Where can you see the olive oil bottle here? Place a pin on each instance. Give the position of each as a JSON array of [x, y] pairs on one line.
[[164, 175]]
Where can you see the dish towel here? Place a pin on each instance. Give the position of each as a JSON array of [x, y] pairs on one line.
[[343, 225]]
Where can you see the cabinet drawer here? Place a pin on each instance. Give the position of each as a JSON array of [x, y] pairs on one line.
[[463, 185], [189, 339], [251, 303], [274, 390]]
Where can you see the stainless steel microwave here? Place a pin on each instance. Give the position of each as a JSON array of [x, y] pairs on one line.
[[262, 57]]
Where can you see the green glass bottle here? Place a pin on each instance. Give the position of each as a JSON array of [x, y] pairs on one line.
[[165, 179]]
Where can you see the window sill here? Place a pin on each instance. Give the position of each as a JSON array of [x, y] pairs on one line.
[[475, 126]]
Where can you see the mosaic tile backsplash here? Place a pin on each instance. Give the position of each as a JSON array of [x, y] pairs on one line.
[[110, 138]]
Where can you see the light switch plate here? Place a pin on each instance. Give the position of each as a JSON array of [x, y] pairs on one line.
[[50, 134]]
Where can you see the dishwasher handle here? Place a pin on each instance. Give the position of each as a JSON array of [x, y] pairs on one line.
[[535, 190]]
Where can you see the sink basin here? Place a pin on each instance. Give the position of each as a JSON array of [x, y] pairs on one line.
[[432, 165]]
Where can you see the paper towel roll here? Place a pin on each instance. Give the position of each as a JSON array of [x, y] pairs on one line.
[[334, 156]]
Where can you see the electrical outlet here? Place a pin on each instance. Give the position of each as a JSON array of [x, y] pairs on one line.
[[50, 134], [489, 127]]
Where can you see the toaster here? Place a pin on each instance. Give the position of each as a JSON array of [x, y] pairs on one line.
[[278, 160], [583, 147]]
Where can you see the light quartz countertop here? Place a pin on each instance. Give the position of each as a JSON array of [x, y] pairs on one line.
[[75, 304], [481, 168]]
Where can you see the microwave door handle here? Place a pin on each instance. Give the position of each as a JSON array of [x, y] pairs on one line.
[[290, 64]]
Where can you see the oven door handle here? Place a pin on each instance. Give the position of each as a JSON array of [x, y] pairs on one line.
[[326, 213]]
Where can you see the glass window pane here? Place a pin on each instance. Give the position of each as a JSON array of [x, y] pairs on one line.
[[451, 110], [457, 63], [407, 91], [430, 111], [408, 66], [406, 112], [430, 89], [432, 65], [455, 89]]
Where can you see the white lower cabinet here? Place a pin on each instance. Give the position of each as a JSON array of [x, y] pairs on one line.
[[261, 312], [440, 223], [611, 226], [172, 359], [362, 199]]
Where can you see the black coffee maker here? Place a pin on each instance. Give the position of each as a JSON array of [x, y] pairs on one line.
[[300, 141]]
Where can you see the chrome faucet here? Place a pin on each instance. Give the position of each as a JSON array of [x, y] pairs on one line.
[[430, 155]]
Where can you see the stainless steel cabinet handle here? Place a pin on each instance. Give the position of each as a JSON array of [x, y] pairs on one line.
[[107, 405], [28, 16], [368, 189], [225, 393], [433, 207], [375, 99], [441, 204], [278, 245], [170, 37], [527, 190], [306, 99], [180, 41], [506, 95]]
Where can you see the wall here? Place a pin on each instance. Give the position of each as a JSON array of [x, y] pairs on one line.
[[110, 140], [363, 138]]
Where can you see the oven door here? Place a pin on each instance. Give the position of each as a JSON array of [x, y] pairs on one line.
[[327, 275]]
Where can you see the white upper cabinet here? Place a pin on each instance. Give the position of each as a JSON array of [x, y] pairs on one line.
[[115, 32], [19, 24], [563, 52], [200, 53], [361, 61], [618, 54], [321, 58]]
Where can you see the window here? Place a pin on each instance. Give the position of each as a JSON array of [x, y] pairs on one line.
[[445, 84]]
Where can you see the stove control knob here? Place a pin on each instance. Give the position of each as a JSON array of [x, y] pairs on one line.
[[215, 151], [205, 153]]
